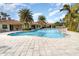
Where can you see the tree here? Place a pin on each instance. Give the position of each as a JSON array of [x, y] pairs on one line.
[[58, 23], [25, 17], [71, 16], [42, 20], [4, 15]]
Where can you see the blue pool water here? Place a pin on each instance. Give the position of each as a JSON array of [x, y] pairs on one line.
[[51, 33]]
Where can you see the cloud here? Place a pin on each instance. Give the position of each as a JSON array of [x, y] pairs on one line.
[[53, 12], [7, 7], [50, 9], [24, 5], [50, 21], [37, 14], [12, 8], [62, 15], [58, 4]]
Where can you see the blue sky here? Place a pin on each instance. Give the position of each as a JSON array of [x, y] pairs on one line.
[[50, 10]]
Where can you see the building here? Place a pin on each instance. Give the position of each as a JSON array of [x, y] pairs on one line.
[[41, 24], [50, 25], [10, 25], [13, 25], [35, 25]]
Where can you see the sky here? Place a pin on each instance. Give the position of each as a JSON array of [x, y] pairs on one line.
[[50, 10]]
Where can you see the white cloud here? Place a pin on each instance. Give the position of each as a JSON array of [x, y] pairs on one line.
[[37, 14], [62, 16], [7, 7], [12, 7], [50, 9], [58, 4], [53, 12], [23, 5], [50, 21]]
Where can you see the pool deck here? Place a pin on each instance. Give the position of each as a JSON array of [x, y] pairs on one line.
[[39, 46]]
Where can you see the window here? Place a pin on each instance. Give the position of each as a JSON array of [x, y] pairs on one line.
[[4, 26]]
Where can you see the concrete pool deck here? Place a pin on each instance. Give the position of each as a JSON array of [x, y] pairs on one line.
[[39, 46]]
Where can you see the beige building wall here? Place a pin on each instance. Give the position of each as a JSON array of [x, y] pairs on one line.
[[17, 27], [8, 27]]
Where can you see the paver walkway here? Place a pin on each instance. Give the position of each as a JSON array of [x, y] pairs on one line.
[[39, 46]]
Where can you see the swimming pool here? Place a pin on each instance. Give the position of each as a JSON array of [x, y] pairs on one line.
[[50, 33]]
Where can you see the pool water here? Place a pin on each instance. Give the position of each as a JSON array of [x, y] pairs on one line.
[[50, 33]]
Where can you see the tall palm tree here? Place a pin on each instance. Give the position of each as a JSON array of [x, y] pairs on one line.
[[25, 17], [69, 18]]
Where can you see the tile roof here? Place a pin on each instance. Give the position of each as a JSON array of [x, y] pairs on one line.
[[12, 22]]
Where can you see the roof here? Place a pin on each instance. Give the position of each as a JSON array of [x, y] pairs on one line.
[[42, 23], [34, 23], [12, 22], [50, 23]]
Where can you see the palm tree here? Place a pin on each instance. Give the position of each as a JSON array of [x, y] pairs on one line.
[[42, 20], [25, 18], [71, 15], [67, 18]]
